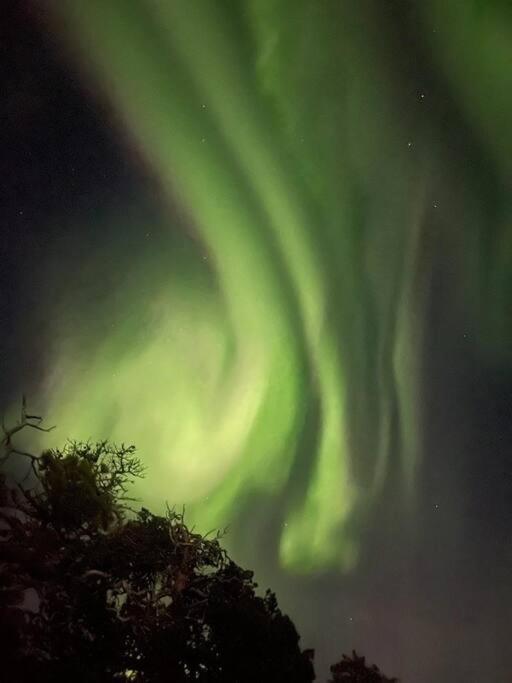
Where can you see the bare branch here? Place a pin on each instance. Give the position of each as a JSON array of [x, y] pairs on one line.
[[26, 421]]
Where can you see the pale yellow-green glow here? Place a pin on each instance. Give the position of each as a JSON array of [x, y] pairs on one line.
[[260, 137]]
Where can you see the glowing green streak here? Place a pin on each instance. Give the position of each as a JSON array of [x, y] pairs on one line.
[[290, 224], [248, 279], [221, 153], [475, 59], [226, 105]]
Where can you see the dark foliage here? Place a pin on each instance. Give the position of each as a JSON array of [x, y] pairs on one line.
[[92, 592], [354, 670]]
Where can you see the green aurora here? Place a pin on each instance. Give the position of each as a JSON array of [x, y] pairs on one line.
[[280, 357]]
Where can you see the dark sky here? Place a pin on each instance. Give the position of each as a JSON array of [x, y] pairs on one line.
[[431, 597]]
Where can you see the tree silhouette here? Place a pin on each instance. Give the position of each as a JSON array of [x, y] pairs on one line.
[[92, 591], [354, 670]]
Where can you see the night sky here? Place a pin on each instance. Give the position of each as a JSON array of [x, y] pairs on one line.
[[270, 243]]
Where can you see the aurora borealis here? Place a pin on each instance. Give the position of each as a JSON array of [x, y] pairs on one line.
[[199, 89], [296, 301]]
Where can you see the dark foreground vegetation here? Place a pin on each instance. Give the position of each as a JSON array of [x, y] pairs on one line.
[[94, 591]]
